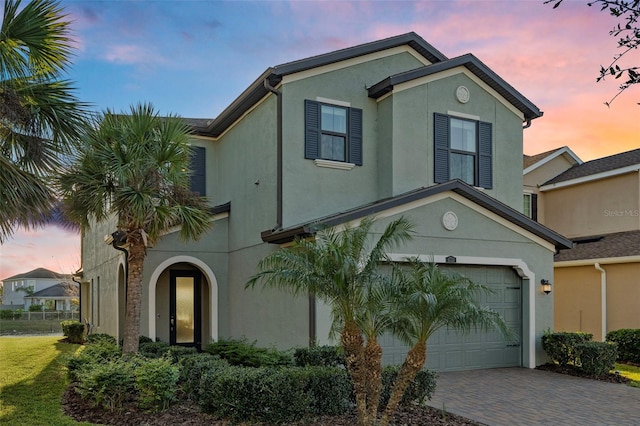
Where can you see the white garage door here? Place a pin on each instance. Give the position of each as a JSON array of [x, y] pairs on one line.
[[449, 350]]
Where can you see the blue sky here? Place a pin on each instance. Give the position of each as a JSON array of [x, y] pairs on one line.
[[193, 58]]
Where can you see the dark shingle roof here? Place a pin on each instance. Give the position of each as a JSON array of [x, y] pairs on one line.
[[473, 64], [37, 273], [619, 244], [530, 160], [289, 234], [599, 165], [59, 290]]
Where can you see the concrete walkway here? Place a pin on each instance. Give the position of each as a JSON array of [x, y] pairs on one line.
[[522, 396]]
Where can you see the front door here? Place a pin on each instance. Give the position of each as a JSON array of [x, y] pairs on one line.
[[184, 298]]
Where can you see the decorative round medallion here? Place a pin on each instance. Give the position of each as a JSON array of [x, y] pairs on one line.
[[463, 94], [450, 221]]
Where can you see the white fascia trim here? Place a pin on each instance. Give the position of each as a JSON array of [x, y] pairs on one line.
[[463, 115], [333, 101], [601, 261], [450, 73], [213, 218], [562, 151], [213, 292], [597, 176], [333, 164], [354, 61], [520, 267], [452, 195]]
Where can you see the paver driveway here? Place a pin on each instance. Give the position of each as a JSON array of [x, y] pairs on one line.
[[522, 396]]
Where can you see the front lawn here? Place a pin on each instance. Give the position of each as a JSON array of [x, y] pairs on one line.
[[33, 326], [630, 372], [33, 381]]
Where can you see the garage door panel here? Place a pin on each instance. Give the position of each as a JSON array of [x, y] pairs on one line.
[[450, 350]]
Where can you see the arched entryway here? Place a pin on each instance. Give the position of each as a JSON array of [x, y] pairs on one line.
[[183, 302]]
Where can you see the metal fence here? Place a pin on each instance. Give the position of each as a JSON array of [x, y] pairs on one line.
[[48, 315]]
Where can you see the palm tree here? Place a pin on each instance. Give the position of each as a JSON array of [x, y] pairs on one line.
[[428, 298], [135, 167], [39, 115], [342, 269]]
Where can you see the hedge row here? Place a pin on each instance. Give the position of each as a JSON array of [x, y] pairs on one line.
[[594, 358], [628, 341], [317, 385]]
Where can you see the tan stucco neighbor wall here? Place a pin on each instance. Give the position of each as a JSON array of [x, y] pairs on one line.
[[598, 207], [577, 294]]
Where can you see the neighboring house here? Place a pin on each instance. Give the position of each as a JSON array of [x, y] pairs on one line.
[[18, 288], [597, 205], [60, 297], [390, 128]]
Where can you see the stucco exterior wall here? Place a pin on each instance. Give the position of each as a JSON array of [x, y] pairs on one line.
[[578, 301], [597, 207], [623, 295]]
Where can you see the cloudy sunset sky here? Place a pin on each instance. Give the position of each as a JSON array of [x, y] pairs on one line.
[[193, 58]]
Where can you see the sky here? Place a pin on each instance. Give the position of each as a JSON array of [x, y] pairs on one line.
[[193, 58]]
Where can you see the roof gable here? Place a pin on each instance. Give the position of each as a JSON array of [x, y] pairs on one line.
[[273, 76], [476, 67], [606, 165], [532, 162], [457, 186]]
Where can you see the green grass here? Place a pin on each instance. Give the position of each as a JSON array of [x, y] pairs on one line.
[[21, 326], [630, 372], [33, 380]]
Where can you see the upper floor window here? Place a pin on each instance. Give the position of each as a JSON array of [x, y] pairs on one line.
[[197, 165], [333, 132], [530, 205], [463, 150]]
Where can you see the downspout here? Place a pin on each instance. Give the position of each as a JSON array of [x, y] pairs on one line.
[[527, 124], [278, 94], [603, 297]]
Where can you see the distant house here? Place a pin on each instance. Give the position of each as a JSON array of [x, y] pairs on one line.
[[597, 205], [39, 286], [387, 129]]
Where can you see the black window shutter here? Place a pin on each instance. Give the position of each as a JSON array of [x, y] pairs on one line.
[[198, 177], [311, 129], [534, 207], [441, 148], [355, 136], [485, 152]]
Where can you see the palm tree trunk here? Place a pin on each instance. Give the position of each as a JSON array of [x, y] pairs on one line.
[[373, 362], [414, 361], [134, 297], [352, 341]]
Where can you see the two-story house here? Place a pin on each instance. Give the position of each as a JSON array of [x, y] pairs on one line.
[[387, 129], [597, 205], [40, 286]]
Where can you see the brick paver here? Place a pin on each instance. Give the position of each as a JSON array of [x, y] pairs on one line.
[[522, 396]]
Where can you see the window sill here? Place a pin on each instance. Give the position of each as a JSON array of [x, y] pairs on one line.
[[333, 164]]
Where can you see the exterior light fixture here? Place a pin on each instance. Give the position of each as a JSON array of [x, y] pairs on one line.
[[546, 286]]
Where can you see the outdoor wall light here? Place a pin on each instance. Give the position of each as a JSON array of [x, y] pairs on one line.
[[546, 286]]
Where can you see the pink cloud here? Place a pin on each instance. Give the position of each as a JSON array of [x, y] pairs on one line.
[[132, 54]]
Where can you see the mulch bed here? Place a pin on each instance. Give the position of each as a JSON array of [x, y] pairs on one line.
[[574, 371], [189, 415]]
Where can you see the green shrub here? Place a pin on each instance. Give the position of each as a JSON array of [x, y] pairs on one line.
[[36, 308], [103, 350], [628, 341], [596, 358], [239, 352], [153, 349], [76, 363], [73, 331], [156, 381], [195, 368], [560, 347], [8, 314], [421, 388], [329, 390], [108, 384], [101, 337], [321, 356], [273, 395], [176, 353]]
